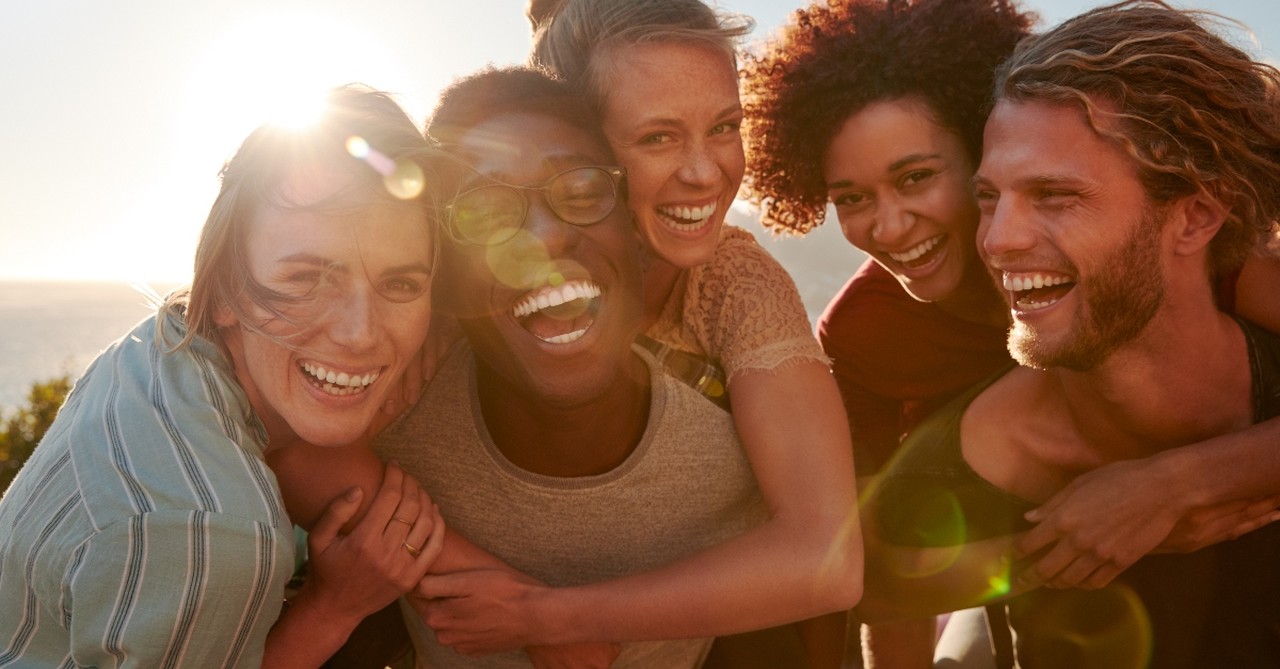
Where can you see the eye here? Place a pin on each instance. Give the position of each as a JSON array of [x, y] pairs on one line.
[[728, 127], [1056, 197], [402, 288], [654, 138], [916, 176], [849, 199], [987, 199]]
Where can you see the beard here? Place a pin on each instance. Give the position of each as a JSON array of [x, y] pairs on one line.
[[1124, 294]]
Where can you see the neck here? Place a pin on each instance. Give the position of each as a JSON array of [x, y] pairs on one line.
[[581, 438], [660, 280], [1183, 380]]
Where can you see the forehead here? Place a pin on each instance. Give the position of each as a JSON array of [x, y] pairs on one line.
[[519, 146], [1041, 139], [668, 71], [880, 134]]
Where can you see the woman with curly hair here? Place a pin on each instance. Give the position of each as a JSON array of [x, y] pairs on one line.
[[878, 107]]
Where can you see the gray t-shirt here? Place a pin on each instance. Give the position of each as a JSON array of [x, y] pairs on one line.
[[686, 486]]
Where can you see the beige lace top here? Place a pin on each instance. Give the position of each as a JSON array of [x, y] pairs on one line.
[[742, 309]]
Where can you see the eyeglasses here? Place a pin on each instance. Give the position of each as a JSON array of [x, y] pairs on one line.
[[493, 213]]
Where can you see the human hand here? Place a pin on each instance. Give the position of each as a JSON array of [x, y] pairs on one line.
[[1099, 525], [384, 556], [1223, 522], [479, 612], [574, 656]]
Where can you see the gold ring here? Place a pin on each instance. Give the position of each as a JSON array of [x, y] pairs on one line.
[[412, 551], [402, 520]]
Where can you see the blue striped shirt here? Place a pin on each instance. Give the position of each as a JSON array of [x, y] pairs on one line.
[[146, 530]]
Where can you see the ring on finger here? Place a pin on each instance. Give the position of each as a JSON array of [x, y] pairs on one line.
[[412, 551]]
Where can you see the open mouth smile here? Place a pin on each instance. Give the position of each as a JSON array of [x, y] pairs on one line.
[[1033, 291], [920, 254], [687, 219], [338, 383], [559, 314]]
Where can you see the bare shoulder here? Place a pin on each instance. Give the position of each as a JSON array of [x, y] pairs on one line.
[[1010, 436], [1256, 296]]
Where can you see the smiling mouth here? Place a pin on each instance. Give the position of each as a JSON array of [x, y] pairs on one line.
[[1036, 290], [338, 383], [559, 314], [685, 218], [920, 254]]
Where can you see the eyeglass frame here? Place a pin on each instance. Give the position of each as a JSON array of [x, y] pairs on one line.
[[617, 176]]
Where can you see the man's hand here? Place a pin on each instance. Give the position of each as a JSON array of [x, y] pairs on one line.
[[1109, 518], [479, 612]]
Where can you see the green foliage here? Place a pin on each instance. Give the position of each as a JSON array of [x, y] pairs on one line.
[[23, 429]]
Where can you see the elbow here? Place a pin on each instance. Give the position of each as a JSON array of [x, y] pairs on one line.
[[836, 578]]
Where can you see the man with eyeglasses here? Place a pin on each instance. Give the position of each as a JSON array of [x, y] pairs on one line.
[[547, 437]]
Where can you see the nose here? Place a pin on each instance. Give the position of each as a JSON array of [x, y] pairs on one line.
[[353, 320], [554, 233], [698, 165], [892, 222], [1004, 228]]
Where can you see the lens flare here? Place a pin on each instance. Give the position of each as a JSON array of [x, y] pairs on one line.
[[1083, 628], [403, 179]]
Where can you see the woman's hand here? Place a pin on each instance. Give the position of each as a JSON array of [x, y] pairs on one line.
[[479, 612], [384, 556]]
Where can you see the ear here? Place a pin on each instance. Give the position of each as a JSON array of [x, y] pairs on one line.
[[1197, 218]]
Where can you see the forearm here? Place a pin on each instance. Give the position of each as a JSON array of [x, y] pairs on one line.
[[760, 579], [1235, 466], [306, 634]]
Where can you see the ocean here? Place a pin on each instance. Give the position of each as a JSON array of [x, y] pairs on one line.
[[52, 328]]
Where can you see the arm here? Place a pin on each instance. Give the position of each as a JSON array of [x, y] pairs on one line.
[[356, 574], [1107, 519], [804, 561]]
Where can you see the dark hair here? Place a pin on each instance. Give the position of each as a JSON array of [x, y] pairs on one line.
[[1195, 113], [833, 59], [493, 92], [361, 132]]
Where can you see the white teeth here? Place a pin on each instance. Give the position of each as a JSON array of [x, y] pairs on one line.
[[553, 297], [683, 217], [1020, 283], [565, 338], [917, 251], [339, 383]]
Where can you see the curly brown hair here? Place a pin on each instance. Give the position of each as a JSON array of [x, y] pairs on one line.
[[1196, 113], [834, 58]]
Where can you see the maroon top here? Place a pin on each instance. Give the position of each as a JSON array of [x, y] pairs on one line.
[[897, 359]]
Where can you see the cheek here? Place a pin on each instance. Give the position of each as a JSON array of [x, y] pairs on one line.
[[732, 161], [856, 229]]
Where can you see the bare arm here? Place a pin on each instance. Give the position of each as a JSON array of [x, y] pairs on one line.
[[1107, 519], [804, 561], [355, 574]]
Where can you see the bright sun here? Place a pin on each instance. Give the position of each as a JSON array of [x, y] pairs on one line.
[[275, 68]]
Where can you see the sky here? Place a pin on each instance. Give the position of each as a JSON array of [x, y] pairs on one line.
[[116, 116]]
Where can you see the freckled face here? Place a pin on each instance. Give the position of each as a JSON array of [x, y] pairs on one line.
[[901, 188], [1068, 231], [672, 116], [361, 280]]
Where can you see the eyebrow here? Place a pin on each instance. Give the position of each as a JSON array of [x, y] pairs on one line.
[[312, 259], [731, 110], [893, 167]]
